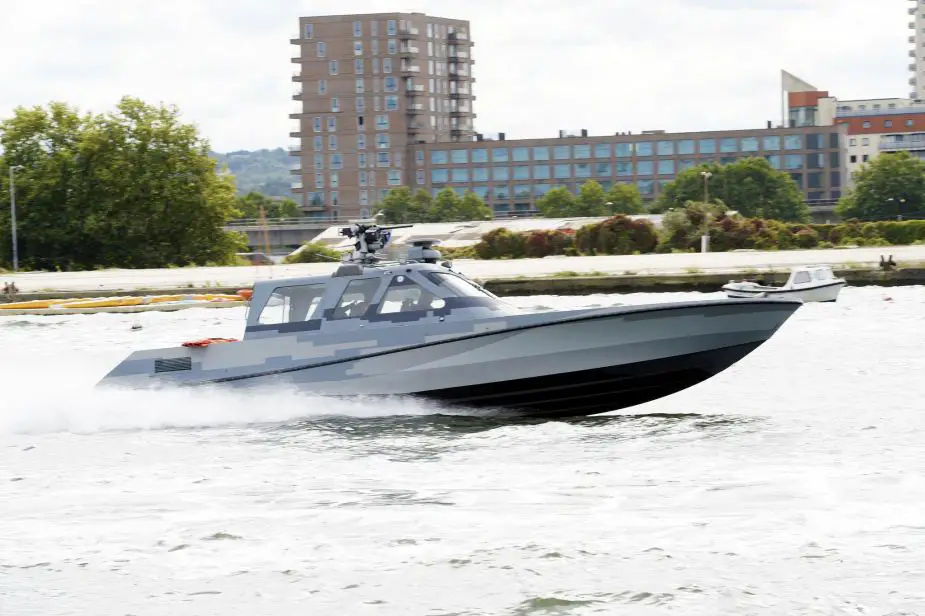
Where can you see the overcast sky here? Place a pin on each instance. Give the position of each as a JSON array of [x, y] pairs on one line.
[[541, 65]]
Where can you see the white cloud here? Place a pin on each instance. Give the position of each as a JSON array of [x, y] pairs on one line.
[[541, 65]]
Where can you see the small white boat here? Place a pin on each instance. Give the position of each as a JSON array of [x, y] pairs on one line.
[[812, 283]]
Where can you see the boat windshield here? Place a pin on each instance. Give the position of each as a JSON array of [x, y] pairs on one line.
[[460, 287]]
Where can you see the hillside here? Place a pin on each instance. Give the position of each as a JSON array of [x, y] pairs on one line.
[[264, 171]]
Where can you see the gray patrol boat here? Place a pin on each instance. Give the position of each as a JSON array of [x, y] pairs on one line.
[[417, 327]]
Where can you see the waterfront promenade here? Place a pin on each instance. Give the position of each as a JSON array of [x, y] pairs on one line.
[[652, 265]]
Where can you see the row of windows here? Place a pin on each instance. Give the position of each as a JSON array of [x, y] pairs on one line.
[[640, 149], [623, 168], [317, 198], [366, 178], [888, 123], [391, 29], [319, 123], [620, 169]]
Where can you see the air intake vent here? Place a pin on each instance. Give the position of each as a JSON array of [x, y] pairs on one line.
[[173, 365]]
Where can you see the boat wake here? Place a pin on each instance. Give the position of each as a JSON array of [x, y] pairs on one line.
[[75, 405]]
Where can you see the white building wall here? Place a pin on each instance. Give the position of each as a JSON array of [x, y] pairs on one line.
[[860, 149]]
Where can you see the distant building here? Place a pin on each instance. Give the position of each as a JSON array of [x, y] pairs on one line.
[[917, 53], [874, 125], [512, 174], [371, 86], [386, 100]]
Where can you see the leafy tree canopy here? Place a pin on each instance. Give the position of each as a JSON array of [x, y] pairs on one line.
[[889, 186], [751, 186], [249, 206], [401, 206], [591, 200], [133, 188]]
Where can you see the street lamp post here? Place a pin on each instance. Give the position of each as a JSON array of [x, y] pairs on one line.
[[705, 238], [14, 169], [899, 206]]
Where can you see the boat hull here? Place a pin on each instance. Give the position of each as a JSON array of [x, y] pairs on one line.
[[593, 362], [821, 293]]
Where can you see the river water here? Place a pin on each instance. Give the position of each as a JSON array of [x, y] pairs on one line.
[[790, 484]]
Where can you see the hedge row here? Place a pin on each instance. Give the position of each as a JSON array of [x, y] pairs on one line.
[[621, 235]]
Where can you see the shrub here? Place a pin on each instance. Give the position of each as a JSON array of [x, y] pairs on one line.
[[501, 243], [539, 244], [462, 252], [313, 252]]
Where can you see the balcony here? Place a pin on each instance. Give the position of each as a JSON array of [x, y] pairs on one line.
[[415, 90], [406, 32], [906, 144], [459, 38], [460, 77], [295, 149], [414, 109], [296, 186], [298, 95], [296, 134], [414, 129], [406, 51], [912, 66], [912, 39], [409, 69], [911, 53], [912, 25]]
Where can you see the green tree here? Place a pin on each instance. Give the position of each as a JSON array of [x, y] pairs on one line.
[[472, 207], [133, 187], [750, 186], [625, 199], [249, 206], [889, 186], [447, 206], [591, 200], [559, 202], [400, 206]]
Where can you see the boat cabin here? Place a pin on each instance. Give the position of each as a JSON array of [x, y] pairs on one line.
[[359, 296], [810, 276]]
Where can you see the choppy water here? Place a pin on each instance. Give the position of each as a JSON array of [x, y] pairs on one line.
[[790, 484]]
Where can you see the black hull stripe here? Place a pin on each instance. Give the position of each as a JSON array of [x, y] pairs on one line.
[[594, 391]]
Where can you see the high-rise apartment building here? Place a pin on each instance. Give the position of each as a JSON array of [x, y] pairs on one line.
[[372, 87], [917, 53]]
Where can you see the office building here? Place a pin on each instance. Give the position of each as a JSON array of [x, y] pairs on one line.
[[512, 174], [370, 87]]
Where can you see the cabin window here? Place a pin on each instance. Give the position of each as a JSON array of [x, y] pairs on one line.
[[405, 295], [801, 278], [823, 275], [356, 298], [290, 304], [459, 287]]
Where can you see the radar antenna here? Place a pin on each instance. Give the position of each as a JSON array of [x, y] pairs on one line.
[[370, 237]]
